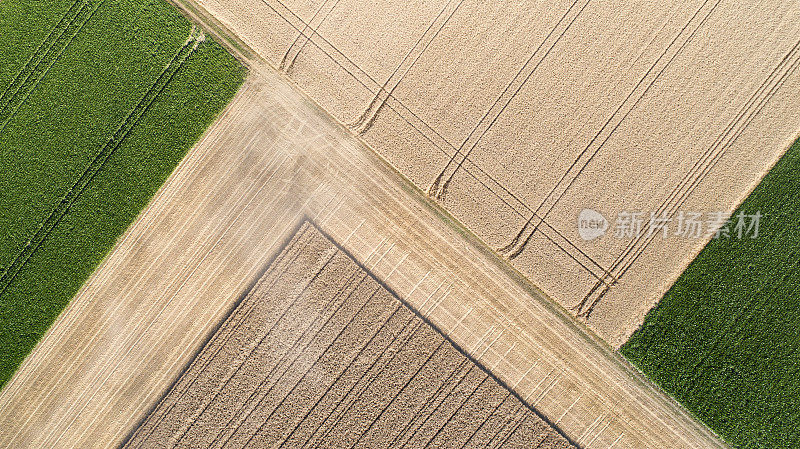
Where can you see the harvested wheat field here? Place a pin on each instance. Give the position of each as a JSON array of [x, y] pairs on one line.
[[515, 116], [270, 163], [320, 354]]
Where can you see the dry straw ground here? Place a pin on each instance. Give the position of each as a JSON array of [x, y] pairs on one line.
[[517, 115], [320, 354], [269, 163]]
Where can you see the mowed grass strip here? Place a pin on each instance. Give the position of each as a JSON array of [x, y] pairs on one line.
[[725, 339], [99, 101]]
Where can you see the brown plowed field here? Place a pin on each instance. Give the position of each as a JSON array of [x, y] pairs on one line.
[[319, 354]]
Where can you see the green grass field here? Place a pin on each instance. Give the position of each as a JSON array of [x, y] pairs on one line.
[[725, 339], [99, 101]]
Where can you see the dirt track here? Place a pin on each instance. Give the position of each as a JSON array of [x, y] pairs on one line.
[[270, 162], [319, 354], [518, 115]]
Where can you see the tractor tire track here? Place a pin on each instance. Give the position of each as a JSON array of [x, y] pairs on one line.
[[44, 57], [439, 186], [101, 157], [523, 237], [701, 168]]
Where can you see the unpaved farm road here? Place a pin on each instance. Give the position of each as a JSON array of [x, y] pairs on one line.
[[272, 160]]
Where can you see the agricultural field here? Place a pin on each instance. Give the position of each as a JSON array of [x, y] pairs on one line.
[[725, 340], [517, 116], [320, 354], [396, 226], [99, 101], [271, 162]]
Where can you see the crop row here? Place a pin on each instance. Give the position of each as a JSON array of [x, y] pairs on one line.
[[105, 100]]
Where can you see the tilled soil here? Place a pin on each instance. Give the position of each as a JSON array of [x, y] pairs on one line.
[[319, 354]]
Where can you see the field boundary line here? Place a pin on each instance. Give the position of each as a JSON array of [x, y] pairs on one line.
[[169, 71], [191, 272], [663, 404], [240, 317], [476, 363], [189, 165], [95, 173], [284, 362], [274, 259], [180, 284]]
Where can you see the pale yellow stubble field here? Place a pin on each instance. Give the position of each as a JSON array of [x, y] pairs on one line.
[[529, 112]]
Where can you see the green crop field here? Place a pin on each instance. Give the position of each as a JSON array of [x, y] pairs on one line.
[[99, 101], [725, 339]]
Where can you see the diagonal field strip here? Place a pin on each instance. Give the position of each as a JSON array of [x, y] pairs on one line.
[[105, 152], [269, 163], [591, 82]]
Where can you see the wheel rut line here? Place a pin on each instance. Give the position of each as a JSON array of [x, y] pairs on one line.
[[701, 169], [328, 347], [489, 416], [399, 392], [438, 188], [15, 94], [520, 241], [391, 99], [104, 154], [367, 118], [428, 401], [289, 57], [182, 285], [340, 375], [355, 384], [410, 333], [456, 411], [255, 347], [128, 235], [455, 386]]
